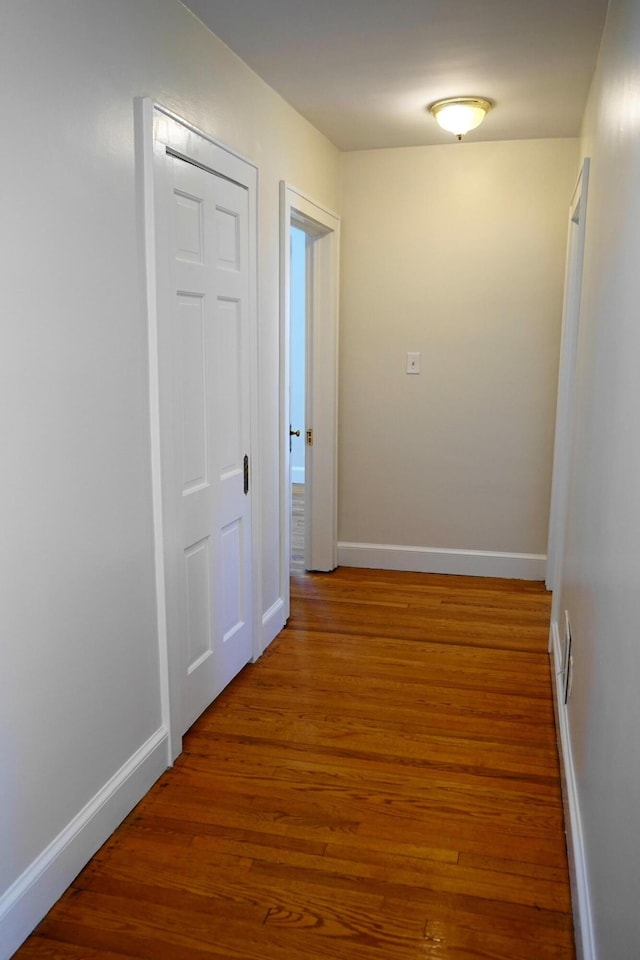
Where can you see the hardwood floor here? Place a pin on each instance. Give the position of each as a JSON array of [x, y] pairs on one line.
[[381, 785]]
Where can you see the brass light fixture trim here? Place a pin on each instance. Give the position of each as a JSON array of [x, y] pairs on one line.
[[458, 115]]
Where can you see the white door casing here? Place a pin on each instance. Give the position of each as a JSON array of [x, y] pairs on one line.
[[201, 247], [566, 386], [323, 230]]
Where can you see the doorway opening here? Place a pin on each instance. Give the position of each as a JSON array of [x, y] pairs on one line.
[[309, 380], [297, 399]]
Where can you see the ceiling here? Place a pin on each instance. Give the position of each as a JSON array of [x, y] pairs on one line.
[[363, 71]]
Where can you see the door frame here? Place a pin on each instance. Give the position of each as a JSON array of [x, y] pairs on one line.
[[321, 376], [565, 406], [158, 128]]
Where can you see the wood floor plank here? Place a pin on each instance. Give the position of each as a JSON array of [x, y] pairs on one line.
[[467, 716], [382, 775], [386, 737], [43, 948], [417, 627], [389, 676], [528, 815], [382, 785], [460, 761]]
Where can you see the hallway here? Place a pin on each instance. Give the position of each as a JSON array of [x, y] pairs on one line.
[[383, 784]]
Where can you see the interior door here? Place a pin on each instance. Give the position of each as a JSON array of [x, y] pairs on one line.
[[211, 500]]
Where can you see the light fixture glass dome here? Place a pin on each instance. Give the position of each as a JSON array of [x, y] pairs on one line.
[[458, 115]]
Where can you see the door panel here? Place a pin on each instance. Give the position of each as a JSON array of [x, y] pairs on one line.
[[189, 227], [230, 379], [198, 576], [228, 233], [209, 342], [191, 324], [233, 607]]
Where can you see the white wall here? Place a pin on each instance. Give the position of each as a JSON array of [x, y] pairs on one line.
[[601, 573], [456, 251], [79, 692]]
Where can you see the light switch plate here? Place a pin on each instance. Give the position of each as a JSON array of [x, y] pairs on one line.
[[413, 363]]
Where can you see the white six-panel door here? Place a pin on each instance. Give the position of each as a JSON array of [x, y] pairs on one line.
[[211, 502]]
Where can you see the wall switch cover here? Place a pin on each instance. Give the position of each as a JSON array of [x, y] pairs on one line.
[[413, 363]]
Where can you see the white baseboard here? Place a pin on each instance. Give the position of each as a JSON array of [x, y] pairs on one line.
[[470, 563], [297, 474], [26, 902], [272, 623], [582, 921]]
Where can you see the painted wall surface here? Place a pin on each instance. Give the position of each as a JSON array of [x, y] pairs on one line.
[[601, 572], [457, 252], [79, 688]]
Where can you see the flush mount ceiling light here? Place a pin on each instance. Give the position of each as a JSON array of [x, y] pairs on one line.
[[460, 114]]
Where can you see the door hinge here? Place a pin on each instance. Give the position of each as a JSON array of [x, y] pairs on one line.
[[246, 474], [309, 438]]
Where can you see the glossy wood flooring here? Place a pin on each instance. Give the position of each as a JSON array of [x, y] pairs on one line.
[[381, 785]]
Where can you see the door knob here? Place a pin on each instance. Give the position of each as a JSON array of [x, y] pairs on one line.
[[294, 433]]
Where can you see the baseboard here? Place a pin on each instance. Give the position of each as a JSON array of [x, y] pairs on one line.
[[470, 563], [582, 921], [26, 902], [272, 622], [297, 474]]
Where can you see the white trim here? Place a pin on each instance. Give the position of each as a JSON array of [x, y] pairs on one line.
[[471, 563], [159, 108], [144, 113], [27, 900], [566, 383], [285, 400], [309, 206], [582, 919], [272, 622]]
